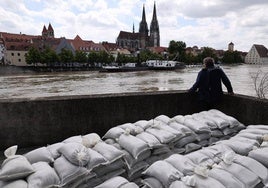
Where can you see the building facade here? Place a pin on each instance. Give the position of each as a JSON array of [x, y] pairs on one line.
[[142, 39], [258, 54]]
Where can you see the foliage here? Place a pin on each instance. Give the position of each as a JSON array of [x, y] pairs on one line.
[[232, 57], [66, 56], [176, 50], [33, 56], [80, 57]]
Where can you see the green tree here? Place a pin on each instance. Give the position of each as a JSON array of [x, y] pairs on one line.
[[80, 57], [176, 50], [66, 56], [33, 56], [232, 57]]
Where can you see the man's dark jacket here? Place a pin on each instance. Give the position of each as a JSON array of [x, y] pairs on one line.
[[208, 83]]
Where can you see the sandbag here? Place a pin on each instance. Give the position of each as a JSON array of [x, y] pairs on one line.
[[181, 163], [53, 149], [76, 153], [115, 182], [39, 154], [15, 167], [114, 133], [14, 184], [90, 140], [44, 176], [166, 175], [261, 155], [150, 139]]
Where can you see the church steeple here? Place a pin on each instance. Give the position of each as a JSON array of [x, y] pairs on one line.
[[143, 24], [133, 28], [154, 30]]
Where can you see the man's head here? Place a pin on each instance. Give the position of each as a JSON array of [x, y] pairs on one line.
[[208, 62]]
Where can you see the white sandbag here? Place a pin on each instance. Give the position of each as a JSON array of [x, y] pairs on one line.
[[199, 158], [212, 140], [232, 121], [225, 178], [196, 126], [90, 140], [203, 143], [76, 153], [241, 146], [131, 161], [14, 184], [114, 182], [109, 141], [152, 182], [221, 123], [163, 118], [185, 140], [130, 185], [216, 133], [241, 173], [179, 119], [253, 136], [161, 150], [44, 176], [192, 147], [166, 175], [140, 166], [109, 152], [150, 139], [199, 117], [118, 172], [207, 182], [76, 139], [11, 151], [202, 136], [95, 159], [163, 136], [264, 127], [105, 169], [261, 155], [162, 126], [131, 128], [255, 131], [39, 154], [114, 133], [144, 124], [133, 145], [181, 163], [69, 172], [254, 166], [181, 128], [53, 149], [178, 184], [15, 167], [228, 131]]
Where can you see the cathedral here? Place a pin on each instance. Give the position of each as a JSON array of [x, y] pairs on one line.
[[142, 39]]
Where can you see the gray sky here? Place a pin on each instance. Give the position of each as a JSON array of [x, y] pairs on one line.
[[213, 23]]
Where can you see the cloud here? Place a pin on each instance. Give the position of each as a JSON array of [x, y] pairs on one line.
[[212, 23]]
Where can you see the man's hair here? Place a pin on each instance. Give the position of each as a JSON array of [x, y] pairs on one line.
[[209, 62]]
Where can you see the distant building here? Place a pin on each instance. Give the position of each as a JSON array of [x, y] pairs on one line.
[[258, 54], [48, 32], [142, 39], [231, 47]]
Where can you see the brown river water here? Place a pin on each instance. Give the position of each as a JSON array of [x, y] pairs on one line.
[[33, 85]]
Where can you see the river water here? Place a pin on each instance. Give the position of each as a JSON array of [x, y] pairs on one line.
[[34, 85]]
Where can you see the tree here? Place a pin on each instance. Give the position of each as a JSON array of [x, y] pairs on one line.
[[66, 56], [176, 50], [80, 57], [232, 57], [260, 81], [33, 56]]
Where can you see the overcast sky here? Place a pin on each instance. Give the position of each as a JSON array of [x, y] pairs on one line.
[[212, 23]]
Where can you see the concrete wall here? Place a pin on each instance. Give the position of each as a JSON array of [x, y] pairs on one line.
[[42, 121]]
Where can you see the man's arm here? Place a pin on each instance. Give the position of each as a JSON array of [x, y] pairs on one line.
[[226, 82], [196, 84]]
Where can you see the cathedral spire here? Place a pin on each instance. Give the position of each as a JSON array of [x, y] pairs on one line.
[[143, 24], [154, 30], [133, 28]]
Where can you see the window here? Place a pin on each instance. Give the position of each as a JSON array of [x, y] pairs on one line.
[[12, 54], [19, 60], [18, 54]]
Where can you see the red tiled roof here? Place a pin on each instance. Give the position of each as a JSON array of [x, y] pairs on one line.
[[262, 50], [129, 35]]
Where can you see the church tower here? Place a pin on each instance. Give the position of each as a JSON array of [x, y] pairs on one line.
[[50, 31], [154, 38], [143, 24]]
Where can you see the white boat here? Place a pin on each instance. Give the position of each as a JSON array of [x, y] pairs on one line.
[[164, 64]]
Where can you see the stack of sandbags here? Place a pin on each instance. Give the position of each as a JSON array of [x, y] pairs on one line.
[[221, 165], [117, 182]]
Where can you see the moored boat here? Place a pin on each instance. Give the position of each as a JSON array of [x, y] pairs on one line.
[[164, 65]]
